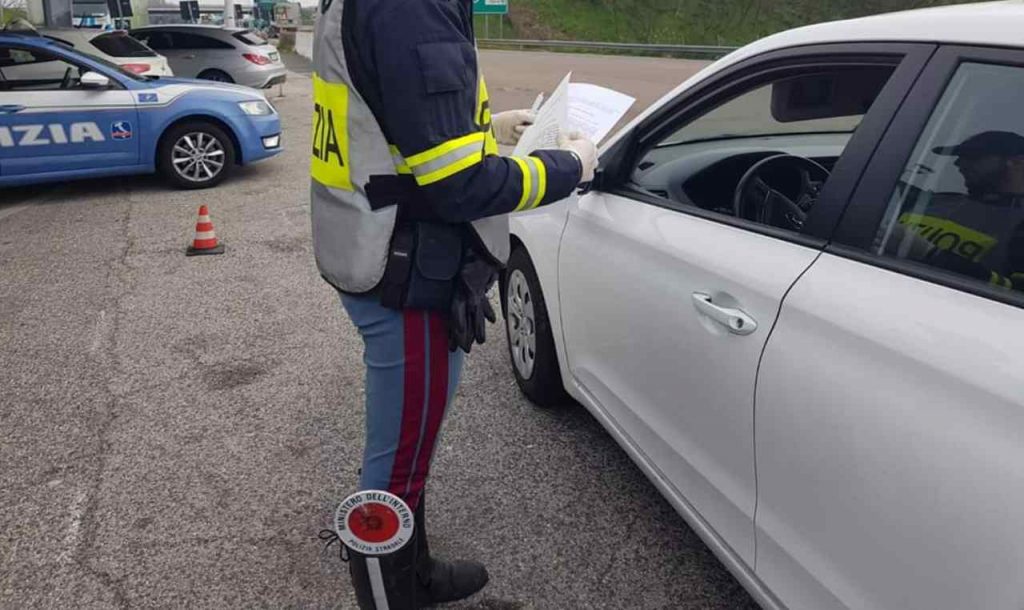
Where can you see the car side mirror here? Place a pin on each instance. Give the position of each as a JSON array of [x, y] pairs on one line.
[[93, 80]]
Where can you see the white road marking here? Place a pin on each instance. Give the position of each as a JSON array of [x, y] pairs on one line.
[[14, 209], [71, 539], [97, 332]]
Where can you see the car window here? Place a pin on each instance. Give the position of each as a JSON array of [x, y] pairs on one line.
[[183, 40], [158, 41], [120, 44], [24, 69], [765, 152], [959, 205], [250, 38]]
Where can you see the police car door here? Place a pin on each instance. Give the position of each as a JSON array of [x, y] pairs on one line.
[[51, 123]]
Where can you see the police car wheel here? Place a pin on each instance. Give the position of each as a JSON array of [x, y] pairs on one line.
[[196, 155], [531, 347]]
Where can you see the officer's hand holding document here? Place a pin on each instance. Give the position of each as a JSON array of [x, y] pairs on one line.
[[589, 109]]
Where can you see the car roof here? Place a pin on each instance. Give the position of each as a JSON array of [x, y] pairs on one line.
[[189, 26], [987, 23], [984, 24], [28, 39]]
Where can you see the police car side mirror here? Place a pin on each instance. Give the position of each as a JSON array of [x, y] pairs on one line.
[[93, 80]]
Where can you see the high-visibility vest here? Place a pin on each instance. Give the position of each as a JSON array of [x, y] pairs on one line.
[[350, 239]]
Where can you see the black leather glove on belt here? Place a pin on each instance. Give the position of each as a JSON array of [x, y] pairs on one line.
[[471, 309]]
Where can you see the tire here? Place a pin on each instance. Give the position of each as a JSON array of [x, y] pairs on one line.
[[208, 144], [538, 377], [219, 76]]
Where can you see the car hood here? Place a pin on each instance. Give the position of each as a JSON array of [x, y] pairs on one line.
[[249, 92]]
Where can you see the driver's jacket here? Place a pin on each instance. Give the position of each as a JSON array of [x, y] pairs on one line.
[[397, 92], [981, 237]]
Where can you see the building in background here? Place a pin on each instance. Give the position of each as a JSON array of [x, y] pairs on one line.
[[167, 12]]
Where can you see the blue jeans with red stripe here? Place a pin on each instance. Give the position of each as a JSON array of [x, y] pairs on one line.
[[411, 378]]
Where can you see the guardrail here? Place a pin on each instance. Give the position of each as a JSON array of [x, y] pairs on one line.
[[677, 50]]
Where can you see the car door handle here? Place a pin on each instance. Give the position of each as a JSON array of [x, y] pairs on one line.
[[10, 108], [736, 320]]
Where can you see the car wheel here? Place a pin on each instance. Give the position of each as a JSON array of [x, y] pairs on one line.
[[216, 75], [196, 155], [531, 346]]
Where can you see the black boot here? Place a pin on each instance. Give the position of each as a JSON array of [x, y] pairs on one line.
[[385, 581], [442, 581]]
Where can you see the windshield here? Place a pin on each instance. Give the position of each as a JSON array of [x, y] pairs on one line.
[[749, 116], [120, 44]]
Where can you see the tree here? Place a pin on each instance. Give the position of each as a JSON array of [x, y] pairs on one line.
[[11, 10]]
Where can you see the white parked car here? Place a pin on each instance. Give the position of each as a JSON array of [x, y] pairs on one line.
[[115, 46], [795, 296]]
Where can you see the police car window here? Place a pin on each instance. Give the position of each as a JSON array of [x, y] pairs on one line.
[[36, 70], [959, 204], [764, 153]]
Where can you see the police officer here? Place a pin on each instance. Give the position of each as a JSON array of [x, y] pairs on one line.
[[409, 205], [980, 233]]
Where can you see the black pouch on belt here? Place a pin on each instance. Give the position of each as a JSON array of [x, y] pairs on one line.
[[424, 256], [436, 262]]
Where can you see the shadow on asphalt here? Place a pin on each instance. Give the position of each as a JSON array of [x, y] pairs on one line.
[[146, 184]]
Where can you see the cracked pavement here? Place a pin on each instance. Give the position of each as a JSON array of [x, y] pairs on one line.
[[177, 430]]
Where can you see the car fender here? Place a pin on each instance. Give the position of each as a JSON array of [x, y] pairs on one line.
[[172, 105], [540, 232]]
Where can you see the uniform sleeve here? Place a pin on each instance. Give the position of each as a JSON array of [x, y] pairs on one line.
[[434, 115]]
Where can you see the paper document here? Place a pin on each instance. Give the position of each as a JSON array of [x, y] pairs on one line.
[[550, 118], [581, 107]]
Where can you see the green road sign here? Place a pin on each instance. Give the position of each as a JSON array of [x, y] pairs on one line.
[[490, 7]]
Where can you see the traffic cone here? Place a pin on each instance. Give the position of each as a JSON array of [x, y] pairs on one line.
[[205, 241]]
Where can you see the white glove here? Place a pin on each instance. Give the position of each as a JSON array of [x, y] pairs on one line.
[[509, 126], [584, 149]]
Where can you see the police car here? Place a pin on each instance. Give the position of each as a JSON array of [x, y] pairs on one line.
[[66, 114]]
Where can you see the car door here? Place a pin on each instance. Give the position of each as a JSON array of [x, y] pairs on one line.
[[52, 123], [173, 46], [207, 53], [667, 297], [890, 403]]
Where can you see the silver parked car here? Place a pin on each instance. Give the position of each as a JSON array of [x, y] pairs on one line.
[[230, 55]]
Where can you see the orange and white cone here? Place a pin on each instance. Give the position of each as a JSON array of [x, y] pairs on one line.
[[205, 241]]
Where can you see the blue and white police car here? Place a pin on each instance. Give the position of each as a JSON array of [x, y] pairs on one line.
[[65, 114]]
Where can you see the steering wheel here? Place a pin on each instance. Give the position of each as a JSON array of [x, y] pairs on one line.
[[65, 83], [757, 200]]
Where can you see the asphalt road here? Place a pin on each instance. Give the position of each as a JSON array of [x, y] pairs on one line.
[[177, 430]]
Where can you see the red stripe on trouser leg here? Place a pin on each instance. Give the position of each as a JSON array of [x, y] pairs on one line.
[[415, 357], [438, 403]]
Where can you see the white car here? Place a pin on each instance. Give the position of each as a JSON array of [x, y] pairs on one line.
[[795, 296], [115, 46]]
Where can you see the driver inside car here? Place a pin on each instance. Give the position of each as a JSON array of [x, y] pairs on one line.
[[981, 233]]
